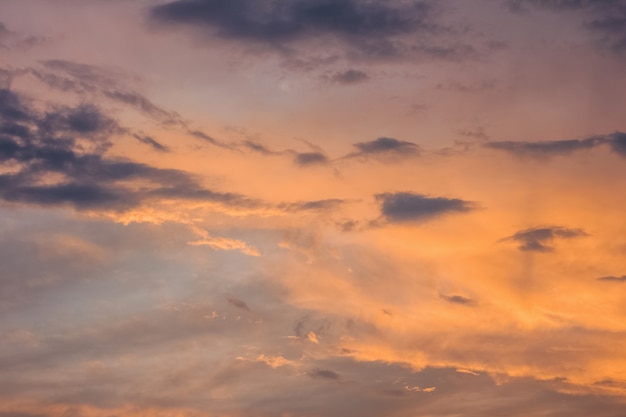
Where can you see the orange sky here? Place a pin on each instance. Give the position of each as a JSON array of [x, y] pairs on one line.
[[312, 208]]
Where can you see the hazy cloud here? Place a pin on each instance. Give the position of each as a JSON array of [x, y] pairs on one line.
[[400, 207], [613, 278], [604, 18], [327, 204], [310, 158], [93, 79], [539, 239], [348, 77], [324, 374], [238, 303], [148, 140]]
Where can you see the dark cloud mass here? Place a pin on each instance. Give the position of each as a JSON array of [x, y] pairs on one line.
[[401, 207], [58, 157], [372, 28], [283, 21], [539, 239]]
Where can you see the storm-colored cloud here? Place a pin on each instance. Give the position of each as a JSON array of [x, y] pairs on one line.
[[540, 239], [402, 207]]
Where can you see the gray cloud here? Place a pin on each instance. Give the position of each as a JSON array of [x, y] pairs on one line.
[[324, 374], [328, 204], [401, 207], [372, 29], [201, 135], [457, 299], [348, 77], [606, 19], [539, 239], [384, 148], [148, 140], [83, 78], [260, 148], [238, 303], [284, 21], [10, 39], [310, 158], [48, 143], [616, 141], [613, 278]]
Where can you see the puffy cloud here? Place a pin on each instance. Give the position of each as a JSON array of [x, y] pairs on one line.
[[401, 207]]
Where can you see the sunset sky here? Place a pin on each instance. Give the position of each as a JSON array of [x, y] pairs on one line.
[[313, 208]]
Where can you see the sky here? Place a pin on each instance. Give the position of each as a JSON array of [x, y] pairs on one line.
[[312, 208]]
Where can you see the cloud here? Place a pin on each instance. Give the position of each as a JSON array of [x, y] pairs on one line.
[[69, 144], [384, 147], [238, 303], [374, 29], [310, 158], [604, 18], [10, 39], [82, 78], [260, 148], [547, 148], [286, 21], [348, 77], [616, 141], [324, 374], [613, 278], [539, 239], [457, 299], [315, 205], [401, 207], [221, 243], [148, 140], [201, 135]]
